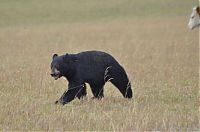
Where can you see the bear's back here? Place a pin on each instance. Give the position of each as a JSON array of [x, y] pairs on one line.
[[96, 58], [91, 65]]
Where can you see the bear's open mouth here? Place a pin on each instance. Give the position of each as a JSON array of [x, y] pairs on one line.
[[55, 76]]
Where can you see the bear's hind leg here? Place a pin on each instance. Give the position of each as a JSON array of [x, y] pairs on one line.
[[124, 88], [120, 80]]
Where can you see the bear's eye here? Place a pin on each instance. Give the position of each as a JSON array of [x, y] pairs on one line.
[[54, 65], [57, 66]]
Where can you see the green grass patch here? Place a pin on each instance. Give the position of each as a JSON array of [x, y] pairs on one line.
[[22, 12]]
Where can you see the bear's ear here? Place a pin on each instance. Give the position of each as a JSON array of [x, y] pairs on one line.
[[66, 56], [55, 55], [70, 58]]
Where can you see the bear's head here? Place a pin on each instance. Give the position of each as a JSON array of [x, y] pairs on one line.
[[55, 66], [62, 65]]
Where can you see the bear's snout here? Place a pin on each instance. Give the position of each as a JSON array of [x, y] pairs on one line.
[[55, 76], [55, 73]]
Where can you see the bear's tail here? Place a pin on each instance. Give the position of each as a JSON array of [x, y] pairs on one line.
[[119, 78]]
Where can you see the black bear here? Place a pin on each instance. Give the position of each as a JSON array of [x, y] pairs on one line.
[[92, 67]]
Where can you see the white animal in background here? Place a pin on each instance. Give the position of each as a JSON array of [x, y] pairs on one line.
[[194, 18]]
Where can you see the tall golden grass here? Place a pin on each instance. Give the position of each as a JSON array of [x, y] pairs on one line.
[[160, 56]]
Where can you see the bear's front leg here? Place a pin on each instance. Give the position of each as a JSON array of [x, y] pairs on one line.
[[70, 94], [60, 101]]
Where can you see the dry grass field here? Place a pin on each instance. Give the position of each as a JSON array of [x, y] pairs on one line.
[[158, 51]]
